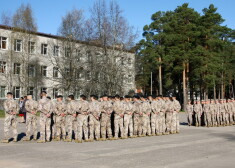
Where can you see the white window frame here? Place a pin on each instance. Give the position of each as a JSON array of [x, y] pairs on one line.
[[31, 91], [3, 67], [56, 51], [1, 42], [32, 47], [17, 68], [17, 89], [32, 70], [55, 71], [67, 52], [2, 92], [44, 69], [44, 49], [18, 42]]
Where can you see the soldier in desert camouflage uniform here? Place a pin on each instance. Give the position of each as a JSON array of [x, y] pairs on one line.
[[45, 107], [72, 108], [128, 117], [11, 108], [222, 113], [136, 116], [82, 119], [206, 110], [163, 107], [94, 118], [155, 115], [31, 107], [213, 113], [118, 108], [175, 117], [169, 114], [60, 118], [145, 118], [189, 110], [106, 112], [198, 113]]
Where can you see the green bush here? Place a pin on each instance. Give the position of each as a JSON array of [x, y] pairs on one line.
[[2, 114]]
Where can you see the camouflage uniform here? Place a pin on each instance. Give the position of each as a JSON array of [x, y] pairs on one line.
[[175, 118], [82, 120], [118, 107], [217, 114], [72, 108], [189, 110], [169, 115], [213, 114], [144, 127], [128, 118], [155, 117], [94, 120], [198, 113], [136, 117], [222, 114], [206, 110], [226, 106], [162, 126], [31, 107], [45, 107], [231, 109], [106, 112], [10, 107], [60, 119]]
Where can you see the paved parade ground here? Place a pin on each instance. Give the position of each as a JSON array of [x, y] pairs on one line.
[[193, 147]]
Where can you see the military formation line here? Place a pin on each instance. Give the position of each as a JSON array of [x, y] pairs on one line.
[[211, 113], [108, 118]]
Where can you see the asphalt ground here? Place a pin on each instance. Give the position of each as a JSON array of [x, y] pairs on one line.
[[197, 147]]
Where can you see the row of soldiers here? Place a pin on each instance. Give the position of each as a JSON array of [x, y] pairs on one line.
[[211, 113], [89, 120]]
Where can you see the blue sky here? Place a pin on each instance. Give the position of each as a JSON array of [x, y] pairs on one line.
[[48, 13]]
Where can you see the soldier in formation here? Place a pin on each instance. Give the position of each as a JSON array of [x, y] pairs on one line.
[[91, 120], [211, 113]]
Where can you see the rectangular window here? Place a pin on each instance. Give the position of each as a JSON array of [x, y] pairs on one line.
[[67, 52], [79, 73], [56, 50], [18, 45], [89, 56], [129, 79], [44, 48], [55, 72], [3, 67], [32, 47], [44, 71], [17, 92], [43, 89], [31, 91], [32, 71], [55, 93], [17, 68], [2, 91], [3, 43], [88, 76]]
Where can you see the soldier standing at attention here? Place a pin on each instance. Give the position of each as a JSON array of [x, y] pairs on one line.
[[72, 108], [146, 111], [45, 107], [176, 121], [163, 107], [198, 112], [136, 116], [128, 119], [31, 107], [189, 110], [206, 110], [106, 112], [94, 118], [11, 108], [118, 107], [169, 113], [60, 118], [82, 119]]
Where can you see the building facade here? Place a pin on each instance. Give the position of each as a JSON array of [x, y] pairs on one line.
[[33, 62]]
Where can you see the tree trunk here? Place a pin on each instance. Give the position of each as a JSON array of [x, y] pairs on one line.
[[184, 88], [160, 76]]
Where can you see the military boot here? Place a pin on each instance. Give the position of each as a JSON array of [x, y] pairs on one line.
[[26, 139], [15, 140], [41, 141], [115, 138], [5, 141], [77, 141]]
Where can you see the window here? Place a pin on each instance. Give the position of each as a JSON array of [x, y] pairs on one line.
[[32, 47], [2, 91], [55, 72], [79, 73], [129, 79], [88, 76], [55, 93], [3, 67], [56, 50], [89, 56], [79, 55], [77, 94], [44, 71], [16, 68], [129, 61], [43, 89], [44, 49], [31, 91], [3, 43], [67, 52], [18, 45], [17, 92], [32, 71]]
